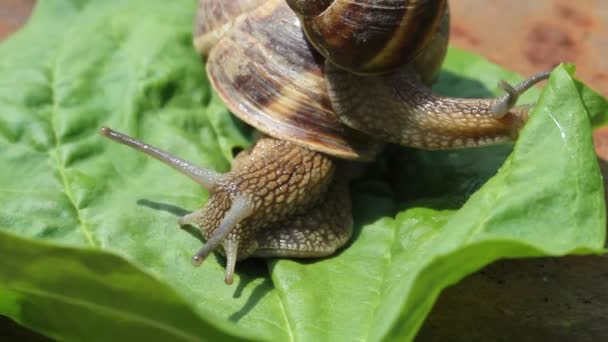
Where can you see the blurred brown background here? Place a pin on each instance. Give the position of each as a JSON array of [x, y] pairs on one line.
[[13, 14], [531, 35], [563, 299]]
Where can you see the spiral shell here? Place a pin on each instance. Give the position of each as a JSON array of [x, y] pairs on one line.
[[215, 17], [370, 36], [270, 77]]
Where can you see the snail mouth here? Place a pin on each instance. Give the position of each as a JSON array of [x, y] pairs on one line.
[[241, 208]]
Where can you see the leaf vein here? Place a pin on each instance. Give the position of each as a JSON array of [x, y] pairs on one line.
[[284, 312], [60, 164]]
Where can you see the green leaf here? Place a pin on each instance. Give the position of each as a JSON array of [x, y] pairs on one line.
[[89, 244], [79, 298]]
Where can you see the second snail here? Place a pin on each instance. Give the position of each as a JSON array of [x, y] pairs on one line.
[[326, 83]]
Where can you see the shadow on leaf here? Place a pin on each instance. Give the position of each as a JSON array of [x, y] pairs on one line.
[[399, 179], [170, 208], [175, 210], [249, 271]]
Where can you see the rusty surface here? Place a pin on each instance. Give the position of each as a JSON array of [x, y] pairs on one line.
[[13, 14], [529, 35], [522, 35], [528, 300]]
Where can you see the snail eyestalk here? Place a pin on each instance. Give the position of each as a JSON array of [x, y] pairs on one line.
[[240, 209], [507, 101], [207, 178], [231, 250]]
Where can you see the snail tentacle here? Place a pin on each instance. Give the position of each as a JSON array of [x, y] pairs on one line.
[[191, 219], [241, 208], [231, 251], [205, 177], [274, 181], [508, 100]]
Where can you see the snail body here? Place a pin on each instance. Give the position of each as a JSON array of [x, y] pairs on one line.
[[324, 81]]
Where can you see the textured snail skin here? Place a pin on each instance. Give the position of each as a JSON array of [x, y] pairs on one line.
[[303, 216], [280, 178], [298, 208], [318, 232], [406, 112]]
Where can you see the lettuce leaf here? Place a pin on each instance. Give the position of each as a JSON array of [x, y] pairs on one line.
[[88, 241]]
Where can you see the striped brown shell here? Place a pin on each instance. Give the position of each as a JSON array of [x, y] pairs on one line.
[[215, 17], [370, 36], [270, 77]]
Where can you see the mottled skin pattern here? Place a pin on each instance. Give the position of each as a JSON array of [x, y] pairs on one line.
[[317, 232], [281, 179], [406, 112]]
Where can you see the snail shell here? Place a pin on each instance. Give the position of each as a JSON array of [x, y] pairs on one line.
[[270, 77], [215, 18], [370, 36]]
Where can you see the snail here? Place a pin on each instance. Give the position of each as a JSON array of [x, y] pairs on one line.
[[324, 81]]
